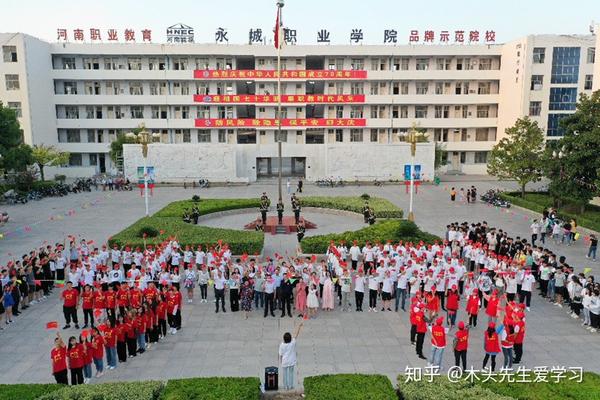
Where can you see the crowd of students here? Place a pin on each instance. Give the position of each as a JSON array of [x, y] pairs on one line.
[[128, 297]]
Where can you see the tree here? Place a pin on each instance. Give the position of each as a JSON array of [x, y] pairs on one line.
[[116, 146], [16, 156], [518, 156], [48, 156], [572, 163]]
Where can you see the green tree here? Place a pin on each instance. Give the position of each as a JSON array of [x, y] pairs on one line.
[[518, 156], [16, 155], [44, 156], [116, 146], [573, 162]]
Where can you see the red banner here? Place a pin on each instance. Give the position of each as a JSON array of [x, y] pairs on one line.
[[285, 74], [286, 98], [272, 122]]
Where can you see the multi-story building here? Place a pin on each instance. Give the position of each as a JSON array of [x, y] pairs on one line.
[[345, 108]]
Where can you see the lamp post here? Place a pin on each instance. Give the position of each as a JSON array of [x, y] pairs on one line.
[[412, 137], [280, 4], [144, 138]]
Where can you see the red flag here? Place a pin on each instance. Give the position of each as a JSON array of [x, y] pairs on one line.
[[37, 282], [244, 257], [102, 327], [85, 333], [313, 258], [278, 29], [97, 313], [59, 285], [52, 325]]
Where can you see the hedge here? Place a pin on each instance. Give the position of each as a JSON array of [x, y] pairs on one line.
[[212, 389], [383, 208], [348, 387], [589, 388], [26, 391], [392, 229], [188, 234], [207, 206], [145, 390], [540, 201], [442, 388]]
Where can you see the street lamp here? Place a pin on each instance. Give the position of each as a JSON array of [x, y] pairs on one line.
[[280, 4], [413, 137], [144, 138]]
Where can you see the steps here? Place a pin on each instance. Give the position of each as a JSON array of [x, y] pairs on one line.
[[281, 229]]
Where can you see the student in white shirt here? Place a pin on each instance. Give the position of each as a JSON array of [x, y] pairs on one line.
[[287, 357], [359, 288]]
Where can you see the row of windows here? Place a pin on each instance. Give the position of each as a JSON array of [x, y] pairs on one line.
[[539, 55], [565, 64], [537, 82], [554, 128], [479, 157]]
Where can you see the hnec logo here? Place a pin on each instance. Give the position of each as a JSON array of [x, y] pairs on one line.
[[180, 33]]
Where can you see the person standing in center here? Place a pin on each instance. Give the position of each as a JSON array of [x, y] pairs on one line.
[[219, 291], [59, 361], [287, 357], [280, 211], [359, 289], [287, 296], [269, 293]]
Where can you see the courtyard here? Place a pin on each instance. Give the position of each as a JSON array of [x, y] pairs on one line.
[[212, 344]]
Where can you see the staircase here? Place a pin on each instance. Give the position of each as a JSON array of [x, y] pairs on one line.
[[281, 229]]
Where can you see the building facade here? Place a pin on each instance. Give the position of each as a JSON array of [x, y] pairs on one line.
[[345, 109]]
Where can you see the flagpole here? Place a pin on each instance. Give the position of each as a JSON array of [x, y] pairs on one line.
[[279, 177]]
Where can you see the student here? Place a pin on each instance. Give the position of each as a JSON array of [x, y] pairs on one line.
[[70, 298], [58, 355], [174, 309], [461, 344], [75, 355], [121, 334], [190, 281], [287, 357], [98, 351], [312, 301], [373, 290], [421, 329], [452, 306], [203, 278], [359, 289], [491, 344], [473, 305], [110, 345], [438, 342]]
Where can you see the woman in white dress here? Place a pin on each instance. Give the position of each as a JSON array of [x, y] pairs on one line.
[[312, 301]]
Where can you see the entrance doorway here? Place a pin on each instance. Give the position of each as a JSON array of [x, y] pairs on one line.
[[268, 167]]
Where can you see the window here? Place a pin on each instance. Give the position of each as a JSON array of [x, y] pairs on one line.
[[442, 112], [156, 64], [68, 62], [374, 88], [71, 112], [111, 63], [378, 112], [554, 128], [356, 135], [204, 135], [356, 112], [12, 82], [91, 88], [562, 98], [180, 64], [539, 55], [440, 135], [535, 108], [357, 88], [565, 64], [420, 111], [374, 136], [403, 111], [422, 64], [314, 136], [404, 63], [9, 53], [442, 63], [463, 63], [589, 80], [222, 136], [537, 81], [357, 64], [137, 112], [282, 136], [70, 88], [481, 134], [136, 88], [187, 137], [339, 135], [159, 112], [91, 63], [73, 136], [134, 63], [422, 87], [246, 136], [75, 160], [485, 64], [481, 157], [483, 111], [591, 55], [93, 159], [16, 107], [484, 88], [91, 136]]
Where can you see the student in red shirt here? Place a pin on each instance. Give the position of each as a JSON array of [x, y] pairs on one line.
[[122, 299], [75, 355], [150, 295], [98, 352], [87, 304], [58, 355], [491, 344], [174, 309], [421, 329], [130, 335], [161, 316], [70, 298], [519, 327], [88, 357], [135, 297], [473, 303], [452, 306], [121, 333], [110, 345], [149, 323], [99, 300], [111, 303], [140, 331], [461, 344]]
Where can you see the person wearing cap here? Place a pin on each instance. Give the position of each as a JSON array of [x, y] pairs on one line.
[[420, 328], [491, 344], [473, 304], [438, 342], [452, 306], [354, 254], [461, 345], [519, 330]]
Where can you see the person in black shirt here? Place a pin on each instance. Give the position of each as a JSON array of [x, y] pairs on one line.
[[593, 247], [287, 296]]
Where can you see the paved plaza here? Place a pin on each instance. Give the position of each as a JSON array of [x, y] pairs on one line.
[[212, 344]]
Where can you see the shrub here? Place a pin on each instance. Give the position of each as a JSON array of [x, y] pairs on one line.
[[382, 231], [442, 388], [26, 391], [365, 196], [146, 390], [149, 231], [195, 198], [383, 208], [60, 178], [212, 389], [206, 206], [348, 387]]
